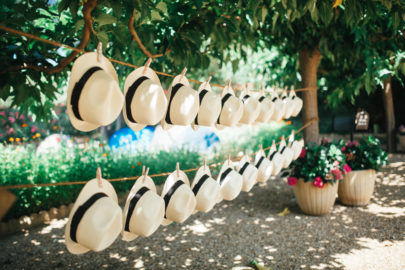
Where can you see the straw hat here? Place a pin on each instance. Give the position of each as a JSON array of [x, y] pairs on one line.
[[276, 159], [230, 181], [278, 105], [264, 166], [210, 106], [296, 145], [251, 107], [297, 103], [205, 189], [231, 108], [248, 171], [266, 108], [180, 201], [145, 100], [144, 209], [183, 103], [286, 152], [94, 97], [288, 104], [95, 220]]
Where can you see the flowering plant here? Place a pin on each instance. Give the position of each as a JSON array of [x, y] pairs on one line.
[[319, 164], [364, 154]]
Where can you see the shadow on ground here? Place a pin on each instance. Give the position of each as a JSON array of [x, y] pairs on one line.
[[247, 228]]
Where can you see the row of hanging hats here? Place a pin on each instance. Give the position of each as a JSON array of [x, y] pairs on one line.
[[95, 99], [96, 219]]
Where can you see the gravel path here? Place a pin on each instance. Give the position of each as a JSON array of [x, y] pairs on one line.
[[371, 237]]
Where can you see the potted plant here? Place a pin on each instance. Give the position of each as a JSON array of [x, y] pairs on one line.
[[401, 130], [363, 158], [314, 175]]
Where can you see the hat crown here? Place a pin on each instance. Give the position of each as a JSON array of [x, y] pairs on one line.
[[100, 225], [149, 103], [232, 111], [181, 204], [184, 106], [101, 99], [210, 108]]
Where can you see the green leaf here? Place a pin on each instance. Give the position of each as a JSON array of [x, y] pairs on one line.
[[103, 38], [79, 24], [63, 5], [235, 64], [104, 19]]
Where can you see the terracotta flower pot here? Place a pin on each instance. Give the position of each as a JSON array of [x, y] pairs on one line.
[[357, 187], [314, 200]]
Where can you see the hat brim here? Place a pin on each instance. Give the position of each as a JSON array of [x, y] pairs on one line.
[[133, 76], [88, 190], [80, 66], [139, 183]]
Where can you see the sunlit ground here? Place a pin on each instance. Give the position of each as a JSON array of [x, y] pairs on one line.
[[370, 237]]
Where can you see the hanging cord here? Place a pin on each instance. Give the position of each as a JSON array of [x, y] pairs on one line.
[[136, 177], [58, 44]]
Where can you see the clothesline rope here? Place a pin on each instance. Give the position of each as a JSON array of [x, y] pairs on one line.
[[121, 179], [58, 44]]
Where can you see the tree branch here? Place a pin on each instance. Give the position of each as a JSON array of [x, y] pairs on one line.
[[136, 38], [87, 9]]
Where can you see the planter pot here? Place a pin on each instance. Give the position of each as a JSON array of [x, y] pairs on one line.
[[313, 200], [357, 187]]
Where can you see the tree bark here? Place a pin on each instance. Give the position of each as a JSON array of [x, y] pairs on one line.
[[308, 66], [389, 115]]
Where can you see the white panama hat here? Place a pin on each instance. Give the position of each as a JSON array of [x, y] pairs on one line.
[[276, 159], [145, 100], [205, 188], [94, 97], [264, 166], [251, 107], [180, 201], [231, 108], [286, 152], [288, 105], [266, 108], [297, 103], [144, 209], [210, 106], [183, 103], [230, 181], [95, 220], [249, 173], [296, 145], [278, 105]]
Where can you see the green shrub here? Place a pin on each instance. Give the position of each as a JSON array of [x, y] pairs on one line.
[[22, 165], [364, 154]]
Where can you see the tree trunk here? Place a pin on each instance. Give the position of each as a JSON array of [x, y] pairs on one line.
[[308, 66], [389, 115]]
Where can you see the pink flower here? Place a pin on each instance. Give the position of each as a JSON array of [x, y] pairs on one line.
[[337, 173], [33, 129], [356, 143], [22, 116], [292, 181], [11, 119], [343, 149], [303, 153], [3, 113], [318, 182], [347, 168], [11, 130], [336, 163]]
